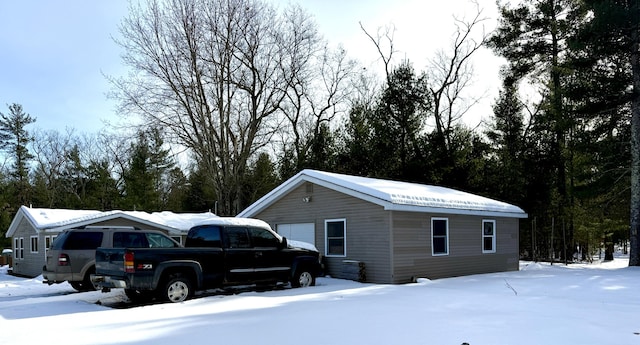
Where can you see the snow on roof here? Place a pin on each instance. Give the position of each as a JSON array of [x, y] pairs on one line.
[[59, 219], [394, 195]]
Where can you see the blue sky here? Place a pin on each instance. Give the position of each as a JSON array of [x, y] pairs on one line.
[[52, 60], [53, 54]]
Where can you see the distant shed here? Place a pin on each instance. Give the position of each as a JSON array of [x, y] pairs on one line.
[[386, 231]]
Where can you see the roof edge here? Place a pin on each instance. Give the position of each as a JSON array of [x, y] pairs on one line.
[[307, 175], [114, 215], [13, 227], [459, 211]]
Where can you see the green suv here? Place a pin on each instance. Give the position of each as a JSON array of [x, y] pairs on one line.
[[72, 254]]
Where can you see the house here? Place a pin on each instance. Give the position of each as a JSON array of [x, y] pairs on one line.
[[33, 229], [385, 231]]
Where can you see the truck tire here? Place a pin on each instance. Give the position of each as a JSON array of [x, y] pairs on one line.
[[303, 278], [177, 289]]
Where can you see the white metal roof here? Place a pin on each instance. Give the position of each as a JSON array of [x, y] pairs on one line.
[[393, 195]]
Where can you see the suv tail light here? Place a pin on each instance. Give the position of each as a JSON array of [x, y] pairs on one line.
[[128, 262], [63, 260]]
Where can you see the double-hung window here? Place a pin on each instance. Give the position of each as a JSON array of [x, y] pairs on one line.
[[18, 248], [335, 231], [439, 236], [488, 236], [34, 244]]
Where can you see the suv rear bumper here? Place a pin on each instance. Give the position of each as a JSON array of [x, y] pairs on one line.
[[51, 277]]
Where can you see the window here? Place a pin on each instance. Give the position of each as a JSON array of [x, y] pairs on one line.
[[263, 239], [335, 237], [237, 237], [34, 244], [159, 241], [204, 236], [78, 240], [18, 248], [129, 240], [439, 236], [488, 236]]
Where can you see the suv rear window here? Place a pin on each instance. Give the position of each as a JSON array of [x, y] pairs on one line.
[[78, 240]]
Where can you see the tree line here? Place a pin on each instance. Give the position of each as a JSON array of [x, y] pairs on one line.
[[250, 94]]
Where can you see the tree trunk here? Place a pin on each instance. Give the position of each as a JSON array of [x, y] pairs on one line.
[[634, 254]]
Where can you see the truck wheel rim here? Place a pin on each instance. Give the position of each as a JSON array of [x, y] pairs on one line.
[[178, 292], [305, 279]]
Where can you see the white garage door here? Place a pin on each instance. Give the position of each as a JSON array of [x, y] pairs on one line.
[[300, 232]]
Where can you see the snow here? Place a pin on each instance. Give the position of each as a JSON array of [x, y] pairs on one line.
[[45, 218], [392, 195], [540, 304], [405, 193]]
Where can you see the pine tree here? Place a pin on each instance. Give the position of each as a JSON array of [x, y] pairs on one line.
[[610, 64], [14, 139]]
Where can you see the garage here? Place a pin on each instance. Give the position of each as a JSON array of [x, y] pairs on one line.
[[299, 232]]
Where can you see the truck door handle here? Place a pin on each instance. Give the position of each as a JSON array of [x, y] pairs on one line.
[[258, 254]]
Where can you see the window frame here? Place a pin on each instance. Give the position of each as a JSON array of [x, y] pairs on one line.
[[446, 237], [18, 248], [33, 244], [344, 237], [493, 236]]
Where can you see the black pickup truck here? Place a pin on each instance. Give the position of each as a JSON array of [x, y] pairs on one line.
[[223, 252]]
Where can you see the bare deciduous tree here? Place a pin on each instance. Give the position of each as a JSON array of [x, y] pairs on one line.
[[50, 151], [211, 73], [451, 73]]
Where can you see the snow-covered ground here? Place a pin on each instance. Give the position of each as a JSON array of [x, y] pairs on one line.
[[541, 304]]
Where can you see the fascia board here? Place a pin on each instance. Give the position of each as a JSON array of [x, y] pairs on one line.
[[423, 209]]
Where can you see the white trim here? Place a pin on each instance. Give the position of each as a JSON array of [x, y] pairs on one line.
[[31, 244], [493, 240], [18, 249], [344, 239], [433, 253], [424, 209]]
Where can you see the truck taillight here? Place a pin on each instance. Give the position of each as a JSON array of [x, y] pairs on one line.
[[63, 260], [128, 262]]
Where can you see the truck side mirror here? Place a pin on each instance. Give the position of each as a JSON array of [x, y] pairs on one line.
[[283, 243]]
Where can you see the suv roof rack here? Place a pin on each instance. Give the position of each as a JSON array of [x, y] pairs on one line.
[[123, 227]]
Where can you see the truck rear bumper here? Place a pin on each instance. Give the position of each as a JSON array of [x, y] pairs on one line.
[[108, 282]]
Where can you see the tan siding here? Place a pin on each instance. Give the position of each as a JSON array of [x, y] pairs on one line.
[[32, 263], [412, 247], [368, 235], [403, 254]]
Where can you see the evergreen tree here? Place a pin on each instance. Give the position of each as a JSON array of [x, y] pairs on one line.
[[607, 61], [145, 184], [533, 36], [507, 136], [14, 139], [354, 157], [261, 179]]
